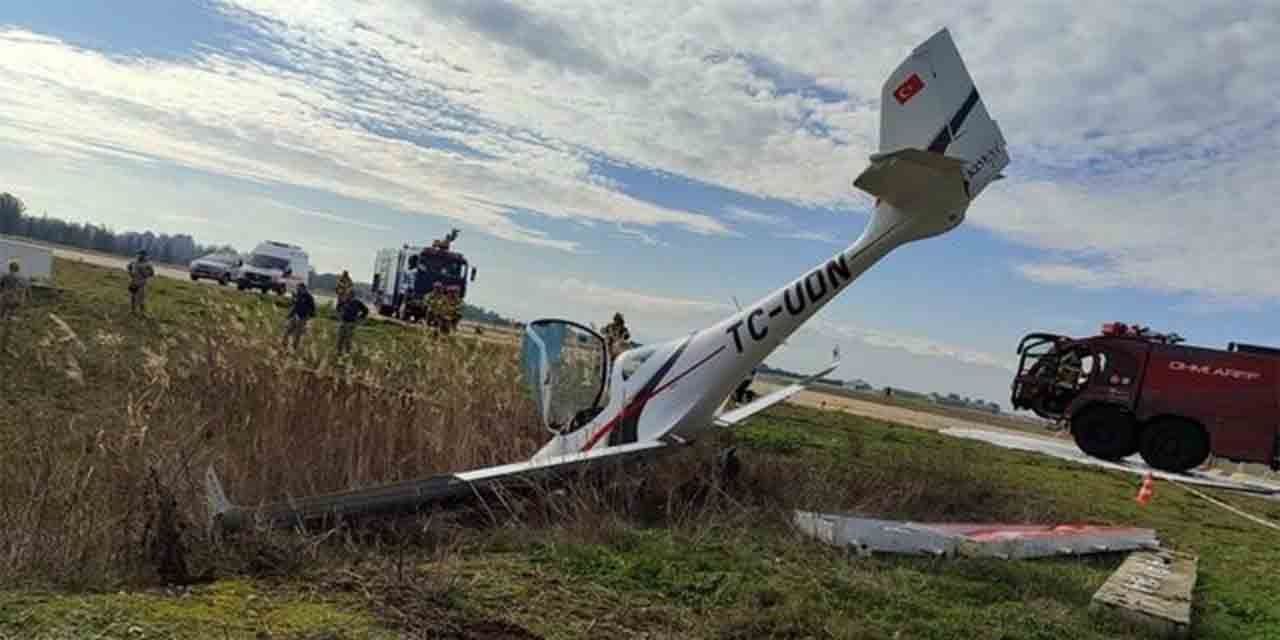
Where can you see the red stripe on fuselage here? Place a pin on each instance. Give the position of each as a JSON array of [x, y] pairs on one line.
[[638, 404]]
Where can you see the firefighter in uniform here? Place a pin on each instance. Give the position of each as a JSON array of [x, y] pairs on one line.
[[1070, 369], [344, 287], [140, 272], [616, 335], [350, 313], [13, 295], [453, 309], [302, 310], [437, 308]]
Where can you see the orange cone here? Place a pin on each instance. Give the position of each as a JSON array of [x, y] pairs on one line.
[[1146, 490]]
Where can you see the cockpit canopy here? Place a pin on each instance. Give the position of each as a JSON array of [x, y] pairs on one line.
[[630, 361], [565, 367]]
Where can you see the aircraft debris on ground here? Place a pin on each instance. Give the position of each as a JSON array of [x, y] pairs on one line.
[[1153, 589], [986, 540], [938, 150]]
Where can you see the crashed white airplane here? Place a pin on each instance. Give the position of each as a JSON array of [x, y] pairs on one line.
[[938, 149]]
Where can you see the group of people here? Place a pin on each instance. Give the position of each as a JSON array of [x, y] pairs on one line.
[[351, 311]]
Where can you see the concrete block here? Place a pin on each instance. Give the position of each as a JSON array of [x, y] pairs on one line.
[[1152, 589]]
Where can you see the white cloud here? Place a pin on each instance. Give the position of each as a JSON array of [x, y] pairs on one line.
[[1204, 227], [320, 215], [916, 345], [748, 215], [184, 218], [241, 118], [811, 236], [712, 91], [757, 97], [605, 297]]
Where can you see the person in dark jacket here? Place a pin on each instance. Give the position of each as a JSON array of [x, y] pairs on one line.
[[302, 310], [350, 313]]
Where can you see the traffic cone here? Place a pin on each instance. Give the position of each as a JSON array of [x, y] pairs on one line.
[[1147, 490]]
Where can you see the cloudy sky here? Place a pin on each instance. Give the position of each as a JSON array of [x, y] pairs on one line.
[[663, 157]]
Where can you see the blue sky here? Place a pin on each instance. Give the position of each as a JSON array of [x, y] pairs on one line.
[[660, 159]]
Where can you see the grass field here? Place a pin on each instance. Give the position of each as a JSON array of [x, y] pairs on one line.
[[1016, 422], [107, 422]]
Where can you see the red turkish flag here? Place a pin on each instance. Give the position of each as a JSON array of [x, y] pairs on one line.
[[909, 87]]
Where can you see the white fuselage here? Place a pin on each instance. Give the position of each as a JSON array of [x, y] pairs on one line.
[[939, 148], [675, 392]]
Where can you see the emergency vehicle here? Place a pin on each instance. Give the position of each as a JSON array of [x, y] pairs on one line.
[[1131, 390]]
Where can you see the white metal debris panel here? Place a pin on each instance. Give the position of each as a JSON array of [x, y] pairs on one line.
[[993, 540]]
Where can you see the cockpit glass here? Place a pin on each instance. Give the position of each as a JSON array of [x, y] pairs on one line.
[[632, 360], [564, 369]]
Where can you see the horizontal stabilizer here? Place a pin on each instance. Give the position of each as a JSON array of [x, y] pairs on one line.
[[730, 418], [916, 180]]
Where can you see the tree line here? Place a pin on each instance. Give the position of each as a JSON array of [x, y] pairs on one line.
[[177, 249]]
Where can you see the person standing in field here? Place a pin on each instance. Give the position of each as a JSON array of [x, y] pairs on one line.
[[13, 295], [302, 310], [350, 313], [345, 287], [617, 335], [140, 271]]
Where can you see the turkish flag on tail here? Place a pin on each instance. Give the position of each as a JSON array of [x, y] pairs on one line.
[[909, 87]]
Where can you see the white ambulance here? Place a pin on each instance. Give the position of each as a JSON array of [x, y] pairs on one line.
[[274, 266]]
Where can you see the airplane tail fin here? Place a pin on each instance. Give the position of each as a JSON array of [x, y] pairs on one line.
[[939, 148], [930, 104]]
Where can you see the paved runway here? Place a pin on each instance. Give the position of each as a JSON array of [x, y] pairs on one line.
[[1067, 450]]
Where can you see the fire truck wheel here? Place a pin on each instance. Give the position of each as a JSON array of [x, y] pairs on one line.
[[1105, 432], [1174, 444]]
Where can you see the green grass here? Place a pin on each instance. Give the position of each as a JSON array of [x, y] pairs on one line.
[[641, 571], [228, 609]]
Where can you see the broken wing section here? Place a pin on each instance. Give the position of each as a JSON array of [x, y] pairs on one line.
[[735, 416], [413, 495]]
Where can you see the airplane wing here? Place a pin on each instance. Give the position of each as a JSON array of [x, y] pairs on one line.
[[413, 494], [447, 487], [734, 416]]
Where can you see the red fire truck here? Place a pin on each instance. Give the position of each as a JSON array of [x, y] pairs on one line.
[[1130, 390]]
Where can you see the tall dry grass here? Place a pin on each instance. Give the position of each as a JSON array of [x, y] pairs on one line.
[[102, 458], [109, 433]]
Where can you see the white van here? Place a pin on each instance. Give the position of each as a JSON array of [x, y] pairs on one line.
[[274, 266], [35, 261]]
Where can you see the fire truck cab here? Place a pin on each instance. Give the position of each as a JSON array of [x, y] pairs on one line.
[[1129, 390]]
